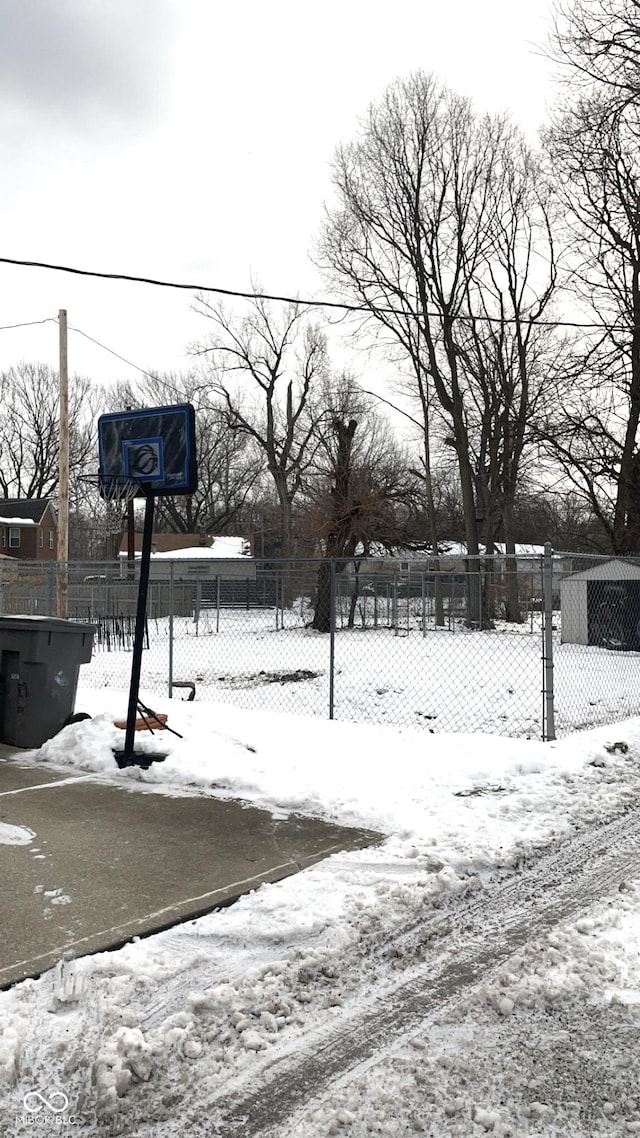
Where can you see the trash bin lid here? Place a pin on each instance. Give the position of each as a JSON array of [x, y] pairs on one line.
[[25, 622]]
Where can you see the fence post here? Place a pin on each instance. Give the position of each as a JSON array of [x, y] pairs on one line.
[[51, 586], [171, 608], [548, 709], [332, 634], [198, 600]]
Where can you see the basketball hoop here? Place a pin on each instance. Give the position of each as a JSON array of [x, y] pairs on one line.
[[113, 488], [149, 453], [117, 492], [117, 488]]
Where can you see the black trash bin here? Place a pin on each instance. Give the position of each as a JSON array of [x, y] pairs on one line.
[[39, 662]]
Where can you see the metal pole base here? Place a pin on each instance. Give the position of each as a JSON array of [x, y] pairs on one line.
[[142, 759]]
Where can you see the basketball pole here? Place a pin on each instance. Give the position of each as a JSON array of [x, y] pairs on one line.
[[62, 551], [127, 757]]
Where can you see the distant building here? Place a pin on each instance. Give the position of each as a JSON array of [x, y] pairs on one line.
[[218, 545], [195, 557], [28, 529], [600, 605]]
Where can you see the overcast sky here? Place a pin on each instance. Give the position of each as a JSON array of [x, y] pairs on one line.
[[190, 140]]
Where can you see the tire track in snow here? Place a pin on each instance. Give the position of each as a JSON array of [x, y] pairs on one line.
[[482, 933]]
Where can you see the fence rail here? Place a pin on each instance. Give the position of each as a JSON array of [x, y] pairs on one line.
[[534, 645]]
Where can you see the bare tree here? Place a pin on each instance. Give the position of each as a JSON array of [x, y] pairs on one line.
[[361, 493], [29, 431], [598, 42], [430, 197], [593, 144], [263, 367]]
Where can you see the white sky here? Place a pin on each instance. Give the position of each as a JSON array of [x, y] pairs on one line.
[[190, 140]]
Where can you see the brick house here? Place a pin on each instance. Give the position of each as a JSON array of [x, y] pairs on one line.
[[28, 529]]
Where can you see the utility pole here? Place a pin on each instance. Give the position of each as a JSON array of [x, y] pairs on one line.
[[131, 537], [63, 474]]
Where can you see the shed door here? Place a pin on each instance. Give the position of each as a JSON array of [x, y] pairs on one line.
[[613, 614]]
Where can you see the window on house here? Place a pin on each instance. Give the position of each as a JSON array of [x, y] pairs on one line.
[[4, 537], [51, 537], [14, 537], [41, 538]]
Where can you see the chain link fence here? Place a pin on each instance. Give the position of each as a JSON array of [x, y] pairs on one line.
[[529, 646]]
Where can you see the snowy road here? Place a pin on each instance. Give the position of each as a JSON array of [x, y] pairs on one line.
[[439, 960]]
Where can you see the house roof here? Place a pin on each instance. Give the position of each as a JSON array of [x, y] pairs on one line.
[[222, 547], [23, 511], [166, 541], [191, 545], [613, 569]]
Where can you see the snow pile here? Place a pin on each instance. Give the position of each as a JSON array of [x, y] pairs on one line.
[[15, 835], [405, 783], [144, 1038]]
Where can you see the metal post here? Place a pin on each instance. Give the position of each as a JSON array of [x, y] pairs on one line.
[[198, 603], [171, 608], [218, 603], [138, 643], [424, 606], [332, 635], [548, 709], [62, 552], [51, 587]]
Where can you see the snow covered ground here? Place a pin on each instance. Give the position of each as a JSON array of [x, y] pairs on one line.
[[449, 680], [160, 1036]]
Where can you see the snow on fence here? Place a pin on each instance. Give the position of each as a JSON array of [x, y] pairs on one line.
[[521, 646]]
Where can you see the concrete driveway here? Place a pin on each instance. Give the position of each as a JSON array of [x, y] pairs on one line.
[[85, 864]]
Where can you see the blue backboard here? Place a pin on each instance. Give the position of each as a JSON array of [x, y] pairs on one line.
[[148, 452]]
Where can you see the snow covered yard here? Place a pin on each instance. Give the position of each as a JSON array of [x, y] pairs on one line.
[[160, 1036], [447, 680]]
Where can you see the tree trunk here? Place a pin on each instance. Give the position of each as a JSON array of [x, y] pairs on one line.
[[340, 540], [512, 609], [322, 611], [355, 593]]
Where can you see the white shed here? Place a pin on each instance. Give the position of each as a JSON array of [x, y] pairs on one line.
[[601, 605]]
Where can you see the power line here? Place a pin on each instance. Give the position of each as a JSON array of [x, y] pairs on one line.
[[183, 285], [158, 379], [111, 352], [171, 387], [343, 306], [29, 323]]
